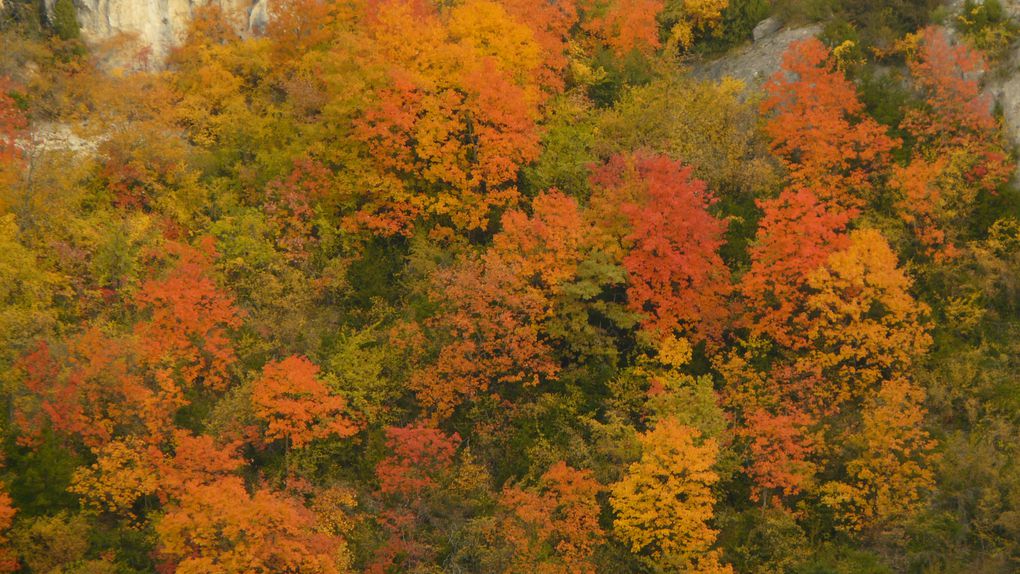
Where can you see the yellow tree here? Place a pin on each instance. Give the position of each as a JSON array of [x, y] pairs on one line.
[[866, 334], [891, 476], [689, 18], [866, 326], [664, 502], [123, 474], [26, 293]]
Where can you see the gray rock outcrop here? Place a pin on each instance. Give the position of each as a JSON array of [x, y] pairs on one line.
[[158, 25], [766, 28], [754, 63]]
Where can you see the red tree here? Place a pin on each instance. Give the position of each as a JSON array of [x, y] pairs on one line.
[[297, 405], [290, 207], [419, 464], [795, 235], [676, 277], [819, 128], [185, 336]]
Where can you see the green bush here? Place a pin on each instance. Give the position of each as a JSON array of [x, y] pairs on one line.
[[987, 26], [65, 20], [738, 21]]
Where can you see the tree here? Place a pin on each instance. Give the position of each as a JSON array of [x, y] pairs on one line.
[[780, 452], [220, 528], [664, 502], [455, 120], [290, 207], [554, 528], [550, 22], [494, 306], [96, 398], [114, 385], [819, 128], [12, 128], [931, 204], [686, 19], [866, 327], [628, 25], [65, 20], [545, 248], [297, 406], [8, 560], [417, 455], [417, 483], [488, 327], [297, 27], [958, 152], [185, 336], [196, 461], [53, 543], [714, 127], [27, 291], [955, 109], [658, 214], [796, 235], [122, 475], [893, 473], [215, 86]]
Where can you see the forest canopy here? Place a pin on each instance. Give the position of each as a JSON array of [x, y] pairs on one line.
[[510, 286]]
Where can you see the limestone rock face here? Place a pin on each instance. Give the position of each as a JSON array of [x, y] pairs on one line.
[[1004, 88], [766, 28], [158, 24], [754, 63]]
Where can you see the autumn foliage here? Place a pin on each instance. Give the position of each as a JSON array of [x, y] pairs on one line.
[[796, 234], [664, 502], [184, 338], [296, 405], [559, 517], [222, 529], [819, 129], [958, 156], [671, 243], [509, 287], [456, 114], [12, 128]]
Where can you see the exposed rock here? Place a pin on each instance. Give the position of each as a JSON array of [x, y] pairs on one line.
[[259, 17], [1002, 82], [47, 137], [157, 25], [766, 28], [754, 63], [1004, 87]]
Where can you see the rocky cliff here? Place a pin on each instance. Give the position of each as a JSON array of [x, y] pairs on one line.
[[157, 24], [755, 62], [160, 24]]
